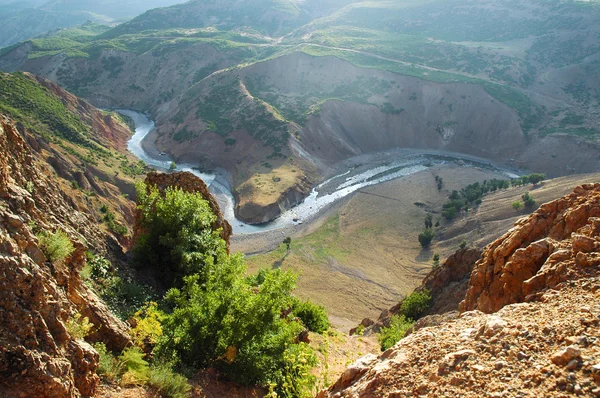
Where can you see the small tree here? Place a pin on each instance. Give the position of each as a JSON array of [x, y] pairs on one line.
[[536, 178], [440, 182], [428, 221], [528, 200], [463, 244], [173, 166], [517, 205], [436, 260], [426, 237], [288, 243]]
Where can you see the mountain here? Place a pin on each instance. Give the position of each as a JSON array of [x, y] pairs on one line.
[[306, 86], [24, 20]]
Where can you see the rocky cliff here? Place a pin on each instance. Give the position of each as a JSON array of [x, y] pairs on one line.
[[38, 355], [540, 286]]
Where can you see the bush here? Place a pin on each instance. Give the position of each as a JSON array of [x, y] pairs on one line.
[[177, 239], [147, 329], [426, 237], [463, 244], [389, 336], [415, 304], [517, 205], [56, 246], [168, 383], [528, 200], [79, 327], [313, 316]]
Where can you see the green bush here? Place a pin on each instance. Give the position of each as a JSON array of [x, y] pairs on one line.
[[168, 383], [78, 326], [389, 336], [177, 239], [56, 246], [313, 316], [528, 200], [219, 317], [415, 304], [426, 237]]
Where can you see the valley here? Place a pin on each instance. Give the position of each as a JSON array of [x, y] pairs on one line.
[[299, 198]]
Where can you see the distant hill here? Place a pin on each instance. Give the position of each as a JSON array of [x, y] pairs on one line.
[[24, 20]]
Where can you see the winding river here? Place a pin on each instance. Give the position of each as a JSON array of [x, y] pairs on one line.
[[360, 172]]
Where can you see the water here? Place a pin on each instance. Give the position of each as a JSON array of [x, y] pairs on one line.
[[403, 163]]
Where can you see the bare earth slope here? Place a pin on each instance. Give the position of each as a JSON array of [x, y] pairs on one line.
[[540, 339]]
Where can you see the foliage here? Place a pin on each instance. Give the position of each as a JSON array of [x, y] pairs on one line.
[[147, 329], [78, 326], [426, 237], [168, 383], [415, 304], [177, 239], [173, 166], [298, 382], [313, 316], [440, 182], [287, 242], [428, 221], [517, 205], [136, 368], [56, 246], [436, 261], [471, 195], [534, 179], [528, 200], [463, 244], [388, 336]]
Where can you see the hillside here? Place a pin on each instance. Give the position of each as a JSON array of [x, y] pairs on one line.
[[85, 147], [531, 299], [514, 82], [25, 20]]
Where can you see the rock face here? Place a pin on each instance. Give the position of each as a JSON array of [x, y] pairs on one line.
[[560, 241], [540, 285], [38, 356], [188, 182], [447, 284]]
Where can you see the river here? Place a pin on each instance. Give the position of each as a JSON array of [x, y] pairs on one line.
[[356, 173]]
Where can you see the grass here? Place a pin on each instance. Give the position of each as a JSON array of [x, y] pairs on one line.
[[56, 246]]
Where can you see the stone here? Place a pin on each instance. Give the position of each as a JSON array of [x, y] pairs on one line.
[[566, 355]]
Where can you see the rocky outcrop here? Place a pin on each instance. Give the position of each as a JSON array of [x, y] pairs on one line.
[[558, 242], [188, 182], [447, 284], [541, 285], [38, 355]]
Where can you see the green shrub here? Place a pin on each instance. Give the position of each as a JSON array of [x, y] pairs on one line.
[[463, 244], [415, 304], [168, 383], [108, 367], [528, 200], [177, 239], [389, 336], [313, 316], [56, 246], [426, 237], [517, 205]]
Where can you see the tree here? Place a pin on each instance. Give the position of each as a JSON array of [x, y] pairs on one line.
[[517, 205], [288, 242], [173, 166], [426, 237], [436, 260], [528, 200], [428, 221], [440, 182], [536, 178], [463, 244]]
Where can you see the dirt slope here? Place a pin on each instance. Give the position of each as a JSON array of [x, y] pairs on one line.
[[545, 346]]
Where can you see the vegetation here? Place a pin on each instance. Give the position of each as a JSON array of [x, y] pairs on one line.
[[56, 246], [388, 336], [517, 205], [533, 179], [470, 196], [426, 237], [528, 200], [313, 316], [411, 309], [436, 261], [218, 317], [78, 326]]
